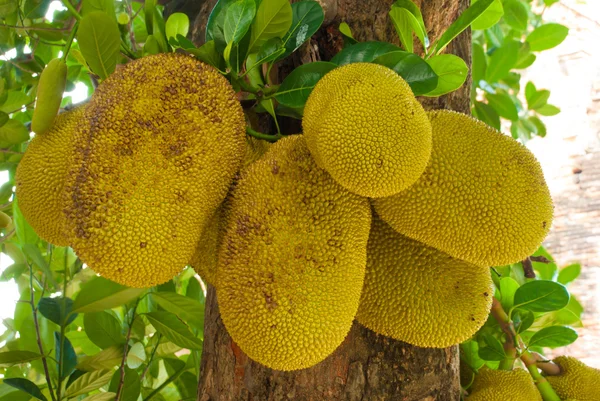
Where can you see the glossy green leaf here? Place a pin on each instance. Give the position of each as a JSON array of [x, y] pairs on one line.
[[548, 110], [508, 287], [487, 114], [215, 23], [57, 310], [452, 73], [469, 354], [502, 61], [99, 41], [493, 351], [207, 53], [403, 22], [524, 57], [89, 382], [417, 22], [100, 294], [538, 99], [569, 273], [553, 337], [238, 19], [13, 132], [296, 87], [545, 271], [271, 50], [522, 320], [103, 329], [68, 358], [570, 314], [173, 329], [539, 125], [177, 24], [136, 356], [547, 36], [516, 14], [8, 7], [307, 17], [105, 359], [187, 309], [541, 296], [107, 6], [39, 262], [10, 358], [25, 233], [504, 105], [273, 20], [489, 17], [479, 64], [365, 52], [108, 396], [415, 71], [550, 2], [347, 32], [149, 6], [131, 385], [26, 386]]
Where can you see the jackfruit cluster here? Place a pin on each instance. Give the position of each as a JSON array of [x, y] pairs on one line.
[[577, 381], [502, 385]]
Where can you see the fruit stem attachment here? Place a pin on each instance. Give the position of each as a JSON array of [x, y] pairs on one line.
[[260, 135], [70, 41]]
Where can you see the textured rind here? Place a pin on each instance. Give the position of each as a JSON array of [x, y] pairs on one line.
[[41, 175], [162, 141], [292, 263], [419, 295], [577, 381], [204, 260], [503, 385], [364, 126], [482, 198]]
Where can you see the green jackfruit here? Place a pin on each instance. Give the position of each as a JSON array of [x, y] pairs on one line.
[[50, 90], [503, 385], [419, 295], [292, 263], [161, 142], [482, 198], [577, 380], [41, 176], [364, 126]]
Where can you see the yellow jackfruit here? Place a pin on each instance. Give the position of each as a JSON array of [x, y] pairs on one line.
[[577, 380], [364, 126], [503, 385], [41, 175], [161, 142], [292, 262], [204, 260], [419, 295], [482, 198]]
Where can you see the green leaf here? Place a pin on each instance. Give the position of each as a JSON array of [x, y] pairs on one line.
[[547, 36], [11, 358], [479, 64], [516, 14], [296, 87], [15, 100], [100, 294], [207, 53], [347, 32], [105, 359], [273, 20], [493, 350], [57, 310], [307, 17], [69, 358], [508, 287], [8, 7], [149, 6], [187, 309], [469, 354], [26, 386], [548, 110], [502, 61], [136, 356], [34, 254], [363, 52], [546, 271], [553, 337], [99, 40], [13, 132], [538, 99], [539, 125], [570, 314], [550, 2], [108, 396], [238, 19], [89, 382], [541, 296], [25, 233], [569, 273], [452, 72], [173, 329], [461, 23], [216, 19], [417, 21], [107, 6], [415, 71], [271, 50], [522, 320], [489, 17], [131, 385], [103, 329], [177, 24], [524, 58], [487, 114], [403, 22], [504, 105]]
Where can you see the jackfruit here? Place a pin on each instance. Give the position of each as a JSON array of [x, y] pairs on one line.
[[577, 380], [292, 262], [51, 86], [503, 385], [445, 300], [204, 260], [162, 140], [364, 126], [41, 175], [482, 198]]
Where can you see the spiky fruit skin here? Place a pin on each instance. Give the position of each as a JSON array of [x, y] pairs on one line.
[[41, 175], [364, 126], [482, 198], [162, 140], [292, 263], [51, 86], [445, 299], [503, 385], [577, 381]]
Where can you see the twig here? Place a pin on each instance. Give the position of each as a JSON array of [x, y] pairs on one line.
[[21, 68], [528, 268], [7, 236], [125, 347], [540, 259], [151, 358], [19, 109], [260, 135], [31, 28]]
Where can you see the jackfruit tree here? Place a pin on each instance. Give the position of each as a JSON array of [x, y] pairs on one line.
[[273, 201]]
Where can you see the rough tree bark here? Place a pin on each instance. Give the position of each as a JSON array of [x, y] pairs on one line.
[[367, 366]]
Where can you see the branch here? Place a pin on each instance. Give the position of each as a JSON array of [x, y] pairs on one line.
[[31, 28], [528, 268], [260, 135], [125, 348]]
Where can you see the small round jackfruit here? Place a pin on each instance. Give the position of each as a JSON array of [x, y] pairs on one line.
[[51, 86], [364, 126], [162, 140], [419, 295], [292, 262], [41, 175], [503, 385], [482, 198], [577, 380]]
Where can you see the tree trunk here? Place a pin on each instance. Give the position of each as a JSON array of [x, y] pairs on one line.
[[367, 366]]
